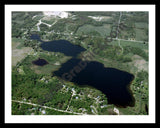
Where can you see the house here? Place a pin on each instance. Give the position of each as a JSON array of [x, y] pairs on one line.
[[116, 110], [43, 112]]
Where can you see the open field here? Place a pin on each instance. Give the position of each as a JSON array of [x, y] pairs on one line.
[[49, 20], [141, 25], [103, 30], [131, 44], [140, 63], [53, 65], [19, 54], [101, 18], [46, 69], [141, 34]]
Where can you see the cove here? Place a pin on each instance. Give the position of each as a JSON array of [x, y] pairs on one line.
[[112, 82]]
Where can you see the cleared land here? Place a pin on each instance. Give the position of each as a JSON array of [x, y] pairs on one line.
[[141, 25], [102, 30], [141, 34], [19, 54]]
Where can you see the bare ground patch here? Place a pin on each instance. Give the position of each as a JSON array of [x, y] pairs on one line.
[[140, 63], [19, 54]]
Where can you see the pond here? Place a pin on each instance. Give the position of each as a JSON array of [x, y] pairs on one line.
[[40, 62], [35, 37], [112, 82]]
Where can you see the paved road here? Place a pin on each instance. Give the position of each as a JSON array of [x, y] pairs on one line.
[[23, 102], [118, 24]]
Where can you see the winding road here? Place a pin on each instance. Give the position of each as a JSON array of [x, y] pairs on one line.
[[120, 45], [40, 22]]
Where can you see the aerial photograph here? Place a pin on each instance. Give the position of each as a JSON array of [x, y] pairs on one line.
[[80, 63]]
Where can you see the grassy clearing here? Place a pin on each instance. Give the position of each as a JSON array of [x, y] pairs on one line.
[[139, 60], [49, 20], [38, 17], [131, 44], [110, 63], [140, 63], [103, 30], [46, 69], [101, 18], [19, 54], [49, 68], [17, 43], [141, 34], [141, 25]]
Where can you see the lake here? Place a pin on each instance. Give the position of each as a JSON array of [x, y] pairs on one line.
[[40, 62], [112, 82], [62, 46]]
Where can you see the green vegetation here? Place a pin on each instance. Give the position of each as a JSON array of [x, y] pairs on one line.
[[141, 34], [130, 47], [25, 109], [137, 51], [47, 91], [18, 41], [93, 13], [22, 22], [59, 26], [44, 27], [134, 44], [89, 29], [49, 20], [114, 53], [136, 26], [141, 25]]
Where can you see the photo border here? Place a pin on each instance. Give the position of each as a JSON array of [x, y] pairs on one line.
[[87, 118]]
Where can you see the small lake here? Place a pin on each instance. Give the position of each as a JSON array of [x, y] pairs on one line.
[[112, 82], [35, 37], [40, 62], [62, 46]]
